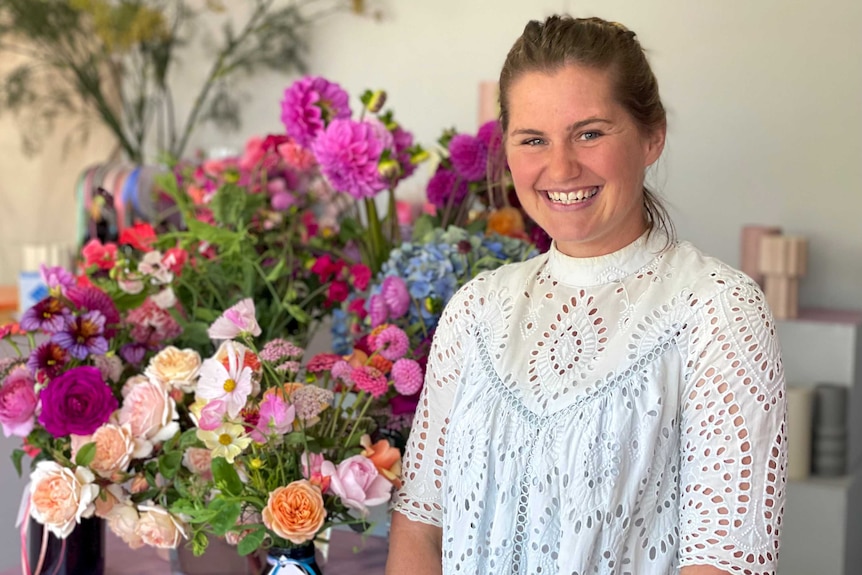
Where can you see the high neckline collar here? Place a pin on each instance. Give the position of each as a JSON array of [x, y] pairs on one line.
[[607, 268]]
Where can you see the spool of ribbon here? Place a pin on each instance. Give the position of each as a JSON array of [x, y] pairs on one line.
[[286, 566]]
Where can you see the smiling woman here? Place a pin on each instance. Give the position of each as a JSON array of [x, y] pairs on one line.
[[617, 404]]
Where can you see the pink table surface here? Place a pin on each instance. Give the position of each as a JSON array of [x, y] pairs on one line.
[[369, 557]]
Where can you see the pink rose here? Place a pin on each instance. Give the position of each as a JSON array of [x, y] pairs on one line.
[[158, 528], [198, 460], [60, 497], [358, 483], [18, 403], [114, 448], [151, 414]]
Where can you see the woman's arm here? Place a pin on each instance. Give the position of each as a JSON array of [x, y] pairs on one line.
[[415, 548], [701, 570]]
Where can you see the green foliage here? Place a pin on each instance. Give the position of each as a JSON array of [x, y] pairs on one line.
[[86, 454], [225, 477]]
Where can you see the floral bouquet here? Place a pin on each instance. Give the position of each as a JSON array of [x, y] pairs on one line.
[[91, 420], [280, 451]]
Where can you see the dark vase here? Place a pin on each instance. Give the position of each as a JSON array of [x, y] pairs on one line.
[[294, 561], [81, 553]]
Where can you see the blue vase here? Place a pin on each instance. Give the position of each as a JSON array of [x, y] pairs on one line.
[[292, 561]]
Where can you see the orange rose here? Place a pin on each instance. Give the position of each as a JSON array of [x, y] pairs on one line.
[[506, 221], [295, 512], [386, 459]]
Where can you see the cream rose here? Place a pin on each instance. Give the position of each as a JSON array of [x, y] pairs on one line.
[[173, 367], [60, 497], [123, 521], [151, 414], [158, 528], [114, 447], [108, 498]]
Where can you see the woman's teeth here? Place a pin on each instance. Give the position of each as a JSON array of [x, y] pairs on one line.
[[567, 198]]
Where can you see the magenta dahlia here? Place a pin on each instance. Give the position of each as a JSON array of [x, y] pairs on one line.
[[469, 156], [309, 105]]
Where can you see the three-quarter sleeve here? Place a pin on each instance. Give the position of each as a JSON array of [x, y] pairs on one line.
[[420, 498], [732, 435]]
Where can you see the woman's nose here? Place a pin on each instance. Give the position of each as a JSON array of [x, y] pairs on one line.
[[563, 163]]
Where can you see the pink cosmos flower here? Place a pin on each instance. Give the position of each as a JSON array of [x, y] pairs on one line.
[[407, 376], [18, 403], [357, 483], [231, 384], [348, 152], [276, 418], [309, 105], [236, 320], [392, 343]]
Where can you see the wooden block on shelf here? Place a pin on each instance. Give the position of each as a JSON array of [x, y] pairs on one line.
[[783, 255], [749, 256], [8, 303], [782, 295]]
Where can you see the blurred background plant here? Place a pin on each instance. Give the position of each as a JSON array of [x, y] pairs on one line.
[[111, 61]]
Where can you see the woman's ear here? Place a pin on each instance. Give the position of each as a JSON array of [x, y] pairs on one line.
[[654, 144]]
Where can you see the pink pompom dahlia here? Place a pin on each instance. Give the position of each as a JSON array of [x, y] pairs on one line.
[[348, 153]]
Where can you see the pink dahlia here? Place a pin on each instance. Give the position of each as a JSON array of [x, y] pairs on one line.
[[403, 141], [407, 376], [395, 293], [309, 105], [370, 380], [348, 153], [469, 156], [392, 343], [445, 184]]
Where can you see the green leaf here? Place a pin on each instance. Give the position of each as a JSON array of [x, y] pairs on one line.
[[200, 542], [225, 476], [251, 542], [169, 463], [424, 224], [17, 455], [86, 454], [227, 514], [189, 438], [298, 313], [225, 239], [228, 205]]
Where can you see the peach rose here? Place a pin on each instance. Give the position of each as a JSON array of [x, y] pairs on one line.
[[198, 460], [152, 415], [139, 484], [60, 498], [295, 512], [158, 528], [386, 459], [114, 448], [173, 367], [123, 521]]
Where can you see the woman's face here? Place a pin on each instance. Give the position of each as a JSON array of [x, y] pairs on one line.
[[578, 159]]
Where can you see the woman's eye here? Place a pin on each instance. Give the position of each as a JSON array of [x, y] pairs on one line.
[[590, 135], [532, 142]]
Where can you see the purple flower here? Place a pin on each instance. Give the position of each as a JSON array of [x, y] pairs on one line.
[[89, 298], [56, 278], [469, 156], [445, 184], [49, 359], [491, 135], [348, 153], [47, 315], [309, 105], [402, 142], [133, 353], [78, 401], [392, 343], [18, 403], [407, 376], [83, 335], [397, 297]]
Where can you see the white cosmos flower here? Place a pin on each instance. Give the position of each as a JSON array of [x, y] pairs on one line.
[[231, 384]]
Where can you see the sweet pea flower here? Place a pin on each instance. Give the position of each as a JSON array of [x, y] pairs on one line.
[[357, 483], [275, 418], [103, 256], [237, 320], [18, 403]]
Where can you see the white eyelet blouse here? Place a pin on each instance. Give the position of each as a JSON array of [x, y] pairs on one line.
[[614, 415]]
